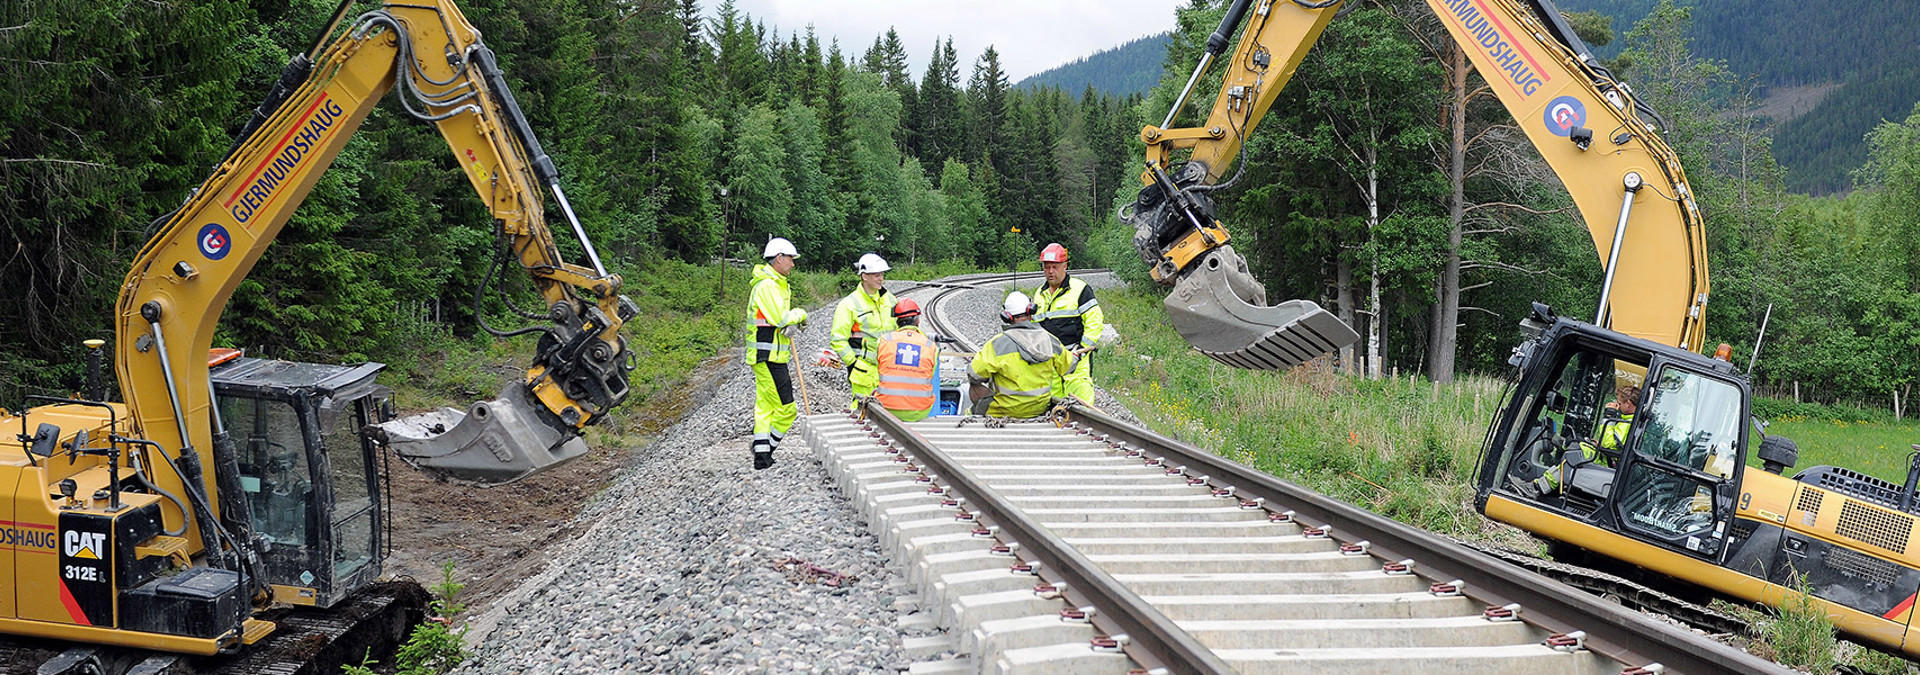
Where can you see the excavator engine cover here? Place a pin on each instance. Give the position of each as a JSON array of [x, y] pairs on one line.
[[493, 443], [1221, 310]]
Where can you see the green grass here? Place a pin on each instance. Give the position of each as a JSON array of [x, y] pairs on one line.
[[1875, 448], [1401, 447]]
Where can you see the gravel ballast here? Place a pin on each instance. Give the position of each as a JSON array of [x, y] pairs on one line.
[[691, 562]]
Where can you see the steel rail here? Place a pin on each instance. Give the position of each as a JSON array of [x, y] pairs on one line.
[[1153, 639], [1612, 631]]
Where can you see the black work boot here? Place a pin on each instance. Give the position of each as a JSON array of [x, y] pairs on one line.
[[762, 459]]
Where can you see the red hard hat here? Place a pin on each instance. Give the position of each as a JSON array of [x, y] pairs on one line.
[[906, 307], [1053, 253]]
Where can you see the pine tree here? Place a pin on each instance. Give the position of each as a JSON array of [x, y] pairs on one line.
[[987, 104]]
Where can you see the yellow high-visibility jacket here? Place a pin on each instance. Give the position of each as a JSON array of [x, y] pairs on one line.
[[769, 313], [858, 323], [1070, 313], [1022, 364]]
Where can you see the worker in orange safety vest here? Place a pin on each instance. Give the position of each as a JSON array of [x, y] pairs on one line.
[[909, 365]]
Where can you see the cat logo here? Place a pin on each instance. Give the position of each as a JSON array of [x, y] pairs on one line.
[[85, 545]]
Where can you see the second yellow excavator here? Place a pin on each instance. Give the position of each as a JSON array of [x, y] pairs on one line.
[[1558, 97], [1657, 482]]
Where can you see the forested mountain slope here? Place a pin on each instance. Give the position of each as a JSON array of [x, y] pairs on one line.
[[1131, 68]]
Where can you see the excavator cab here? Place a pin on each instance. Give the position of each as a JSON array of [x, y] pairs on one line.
[[308, 484], [1670, 482]]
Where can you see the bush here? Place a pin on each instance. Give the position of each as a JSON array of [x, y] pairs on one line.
[[1774, 408], [435, 647]]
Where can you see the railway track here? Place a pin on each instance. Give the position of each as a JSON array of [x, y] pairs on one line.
[[1080, 543]]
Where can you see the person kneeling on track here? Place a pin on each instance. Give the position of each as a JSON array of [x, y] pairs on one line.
[[1016, 374]]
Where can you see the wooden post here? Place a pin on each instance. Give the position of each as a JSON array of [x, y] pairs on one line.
[[1796, 391]]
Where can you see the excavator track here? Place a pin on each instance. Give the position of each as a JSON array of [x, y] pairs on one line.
[[370, 624], [1624, 591]]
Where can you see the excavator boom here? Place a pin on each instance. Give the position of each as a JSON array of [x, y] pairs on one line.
[[1557, 93], [177, 288]]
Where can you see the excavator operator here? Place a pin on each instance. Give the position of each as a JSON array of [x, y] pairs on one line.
[[1609, 437]]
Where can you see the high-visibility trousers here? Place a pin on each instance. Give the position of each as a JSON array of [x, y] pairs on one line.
[[773, 409], [1079, 381], [862, 378]]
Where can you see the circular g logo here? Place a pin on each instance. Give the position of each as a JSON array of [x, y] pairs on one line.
[[1565, 113], [214, 241]]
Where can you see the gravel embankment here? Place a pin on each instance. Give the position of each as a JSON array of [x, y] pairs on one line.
[[695, 563]]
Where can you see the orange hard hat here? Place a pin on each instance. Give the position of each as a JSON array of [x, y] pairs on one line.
[[906, 307], [1053, 253]]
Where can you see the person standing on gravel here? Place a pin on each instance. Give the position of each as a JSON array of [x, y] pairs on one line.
[[1020, 367], [1069, 311], [858, 322], [774, 318], [909, 365]]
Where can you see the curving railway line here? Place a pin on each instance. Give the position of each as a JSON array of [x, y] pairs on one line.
[[1080, 543]]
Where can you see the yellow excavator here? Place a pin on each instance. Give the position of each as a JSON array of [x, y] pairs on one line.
[[1558, 96], [219, 485], [1672, 498]]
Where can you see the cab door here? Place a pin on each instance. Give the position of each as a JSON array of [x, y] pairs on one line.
[[1677, 481]]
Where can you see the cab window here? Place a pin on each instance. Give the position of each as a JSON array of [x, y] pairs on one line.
[[1692, 420]]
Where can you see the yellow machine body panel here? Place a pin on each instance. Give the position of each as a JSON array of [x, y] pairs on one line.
[[1892, 633], [61, 580]]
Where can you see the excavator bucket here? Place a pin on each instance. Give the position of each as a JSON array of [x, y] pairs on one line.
[[1221, 310], [492, 443]]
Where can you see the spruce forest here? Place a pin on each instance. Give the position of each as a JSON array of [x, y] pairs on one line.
[[688, 134]]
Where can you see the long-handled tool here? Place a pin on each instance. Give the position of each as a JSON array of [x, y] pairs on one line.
[[800, 375]]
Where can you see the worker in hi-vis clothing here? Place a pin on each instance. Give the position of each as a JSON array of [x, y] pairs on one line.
[[773, 316], [1069, 312], [1015, 373], [859, 321], [1610, 436], [909, 366]]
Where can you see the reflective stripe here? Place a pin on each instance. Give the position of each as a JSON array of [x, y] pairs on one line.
[[900, 392], [776, 436], [1077, 311], [777, 348], [902, 379], [757, 321]]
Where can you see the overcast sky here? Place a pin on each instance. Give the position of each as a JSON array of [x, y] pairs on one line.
[[1031, 35]]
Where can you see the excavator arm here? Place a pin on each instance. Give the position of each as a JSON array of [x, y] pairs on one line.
[[180, 283], [1626, 182]]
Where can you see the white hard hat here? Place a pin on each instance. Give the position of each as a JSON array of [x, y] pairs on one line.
[[779, 245], [1017, 304], [871, 263]]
